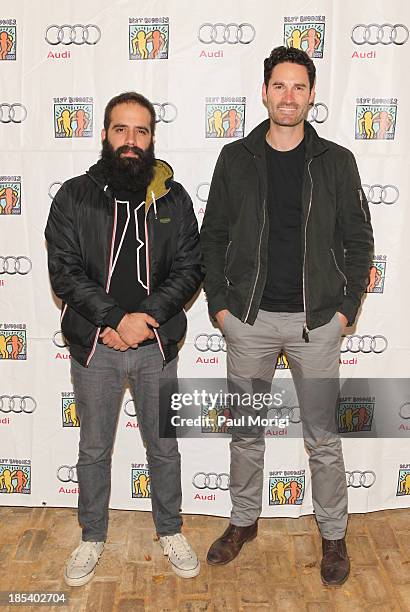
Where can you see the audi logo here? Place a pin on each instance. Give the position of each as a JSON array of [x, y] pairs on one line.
[[15, 265], [67, 473], [129, 408], [53, 188], [17, 403], [77, 34], [212, 481], [166, 112], [12, 113], [364, 344], [231, 33], [210, 342], [404, 410], [357, 479], [285, 412], [59, 340], [202, 191], [384, 34], [381, 194], [318, 113]]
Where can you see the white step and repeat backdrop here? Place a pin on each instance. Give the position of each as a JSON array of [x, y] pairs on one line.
[[60, 62]]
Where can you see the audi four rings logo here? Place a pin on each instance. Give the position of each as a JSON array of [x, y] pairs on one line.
[[285, 412], [12, 113], [59, 340], [15, 265], [129, 408], [166, 112], [381, 194], [404, 410], [212, 481], [67, 473], [231, 33], [17, 403], [364, 344], [76, 34], [384, 34], [318, 113], [54, 187], [210, 342], [202, 192], [357, 479]]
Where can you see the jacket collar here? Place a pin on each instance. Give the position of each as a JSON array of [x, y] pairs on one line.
[[255, 141], [158, 187]]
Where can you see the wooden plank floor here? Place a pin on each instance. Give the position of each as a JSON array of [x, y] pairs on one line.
[[277, 571]]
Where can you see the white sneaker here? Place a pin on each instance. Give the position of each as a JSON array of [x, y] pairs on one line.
[[80, 566], [184, 561]]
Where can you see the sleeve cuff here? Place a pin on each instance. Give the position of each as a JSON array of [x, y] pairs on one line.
[[114, 316]]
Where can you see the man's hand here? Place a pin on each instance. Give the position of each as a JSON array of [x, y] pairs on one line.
[[343, 321], [133, 328], [112, 339], [220, 318]]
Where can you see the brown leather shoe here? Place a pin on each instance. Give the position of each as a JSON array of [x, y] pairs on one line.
[[335, 566], [227, 547]]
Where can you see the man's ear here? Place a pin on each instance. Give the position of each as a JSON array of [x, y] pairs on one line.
[[103, 135], [312, 95], [264, 98]]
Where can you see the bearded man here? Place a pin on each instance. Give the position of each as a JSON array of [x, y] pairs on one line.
[[123, 256]]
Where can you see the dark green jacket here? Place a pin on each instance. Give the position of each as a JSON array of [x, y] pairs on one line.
[[336, 237]]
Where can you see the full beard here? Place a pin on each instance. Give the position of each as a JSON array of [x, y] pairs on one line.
[[128, 173]]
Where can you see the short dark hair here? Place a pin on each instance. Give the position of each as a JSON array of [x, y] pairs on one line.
[[279, 55], [129, 97]]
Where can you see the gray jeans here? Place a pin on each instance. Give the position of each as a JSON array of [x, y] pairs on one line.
[[98, 391], [252, 354]]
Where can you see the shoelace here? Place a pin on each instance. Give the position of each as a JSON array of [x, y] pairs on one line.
[[179, 545], [84, 553]]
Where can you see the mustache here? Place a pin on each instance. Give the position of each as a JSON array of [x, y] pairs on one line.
[[129, 149]]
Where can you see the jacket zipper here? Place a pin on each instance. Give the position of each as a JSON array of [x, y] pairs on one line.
[[226, 262], [148, 272], [361, 204], [338, 269], [107, 286], [259, 262], [305, 333]]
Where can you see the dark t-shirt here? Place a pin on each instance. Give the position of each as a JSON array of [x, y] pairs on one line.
[[283, 290]]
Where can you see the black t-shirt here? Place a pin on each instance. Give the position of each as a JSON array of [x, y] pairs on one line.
[[128, 283], [284, 290]]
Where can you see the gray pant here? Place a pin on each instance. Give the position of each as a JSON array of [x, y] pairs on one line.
[[252, 354], [98, 391]]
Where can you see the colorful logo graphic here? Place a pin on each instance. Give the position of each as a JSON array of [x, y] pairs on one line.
[[286, 488], [68, 410], [15, 477], [140, 482], [148, 38], [10, 195], [13, 342], [215, 418], [73, 117], [309, 36], [377, 275], [355, 414], [403, 483], [375, 119], [282, 362], [8, 39], [225, 117]]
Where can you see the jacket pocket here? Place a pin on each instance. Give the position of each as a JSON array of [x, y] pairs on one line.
[[339, 271]]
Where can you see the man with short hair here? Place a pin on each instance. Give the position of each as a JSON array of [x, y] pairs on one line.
[[287, 246], [123, 250]]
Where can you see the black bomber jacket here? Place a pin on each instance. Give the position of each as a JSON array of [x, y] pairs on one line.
[[336, 237], [80, 231]]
